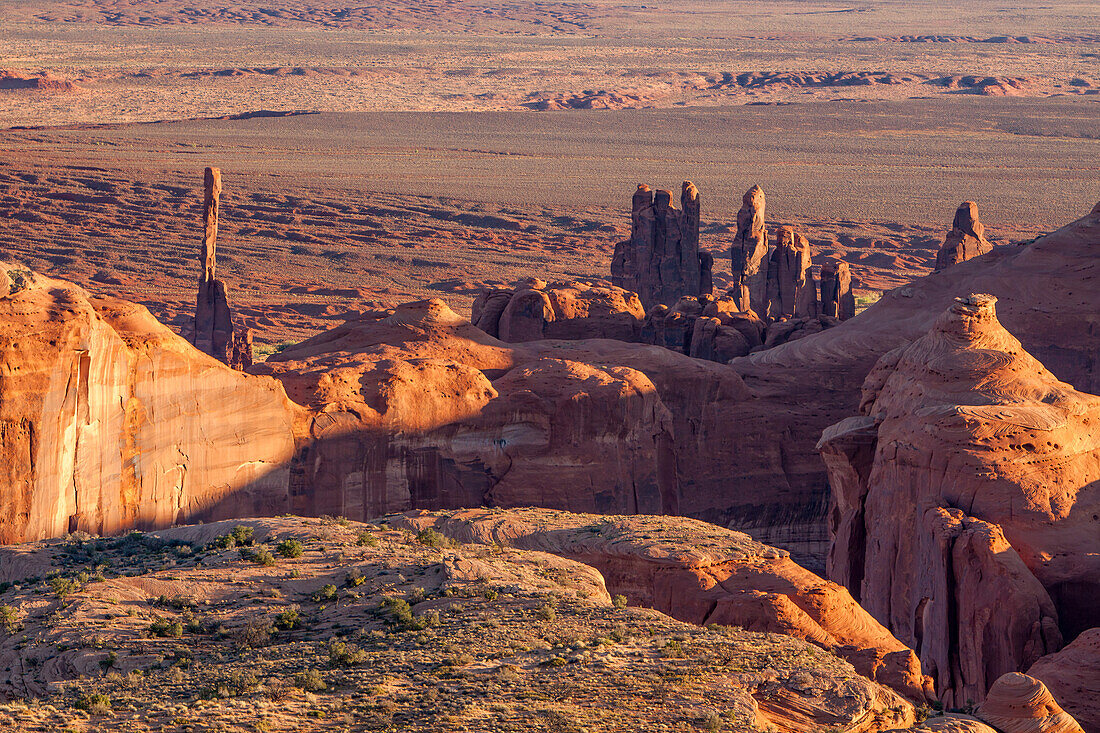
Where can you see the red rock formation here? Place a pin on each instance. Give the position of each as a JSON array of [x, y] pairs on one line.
[[699, 573], [791, 291], [661, 261], [1047, 299], [749, 253], [837, 299], [1018, 703], [964, 498], [215, 333], [966, 240], [1073, 676], [574, 310], [109, 421]]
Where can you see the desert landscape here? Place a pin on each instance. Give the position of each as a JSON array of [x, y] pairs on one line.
[[561, 366]]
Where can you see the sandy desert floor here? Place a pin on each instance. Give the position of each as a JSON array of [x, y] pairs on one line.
[[454, 144]]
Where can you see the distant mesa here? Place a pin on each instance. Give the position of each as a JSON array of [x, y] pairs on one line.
[[21, 79]]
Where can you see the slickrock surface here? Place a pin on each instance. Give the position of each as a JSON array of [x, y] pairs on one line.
[[215, 332], [749, 253], [306, 624], [661, 261], [563, 310], [1046, 298], [1073, 676], [965, 501], [966, 240], [108, 420], [1018, 703], [699, 573]]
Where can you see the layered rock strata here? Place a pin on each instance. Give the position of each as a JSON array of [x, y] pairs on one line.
[[1073, 677], [966, 240], [214, 331], [1018, 703], [109, 421], [749, 254], [661, 261], [964, 498]]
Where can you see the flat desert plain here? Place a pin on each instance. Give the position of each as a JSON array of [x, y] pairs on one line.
[[376, 153]]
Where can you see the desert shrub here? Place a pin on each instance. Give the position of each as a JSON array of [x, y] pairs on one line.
[[553, 662], [9, 618], [164, 628], [310, 680], [259, 555], [342, 654], [94, 703], [290, 548], [431, 538], [242, 534], [109, 661], [62, 587], [490, 594], [256, 633], [619, 601], [354, 578], [546, 612], [398, 613], [289, 618], [325, 594], [366, 539]]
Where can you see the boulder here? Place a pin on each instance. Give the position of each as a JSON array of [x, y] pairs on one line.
[[1018, 703], [564, 310], [964, 498], [1073, 676], [749, 253], [966, 240], [661, 261]]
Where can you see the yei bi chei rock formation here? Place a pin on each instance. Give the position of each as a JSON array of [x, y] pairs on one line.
[[661, 261]]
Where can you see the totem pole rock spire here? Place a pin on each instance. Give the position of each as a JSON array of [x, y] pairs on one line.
[[215, 333]]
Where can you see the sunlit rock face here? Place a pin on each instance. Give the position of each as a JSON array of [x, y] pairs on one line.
[[965, 497], [109, 421]]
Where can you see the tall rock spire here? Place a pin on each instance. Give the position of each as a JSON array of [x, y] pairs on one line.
[[214, 330]]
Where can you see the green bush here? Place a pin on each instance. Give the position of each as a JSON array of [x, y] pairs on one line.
[[431, 538], [354, 578], [290, 548], [94, 703], [259, 555], [242, 535], [366, 539], [342, 654], [288, 619], [325, 594], [619, 601], [311, 680], [164, 628]]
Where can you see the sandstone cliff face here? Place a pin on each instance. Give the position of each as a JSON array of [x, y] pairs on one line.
[[109, 421], [965, 499], [1047, 299], [661, 261], [792, 290], [699, 573]]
